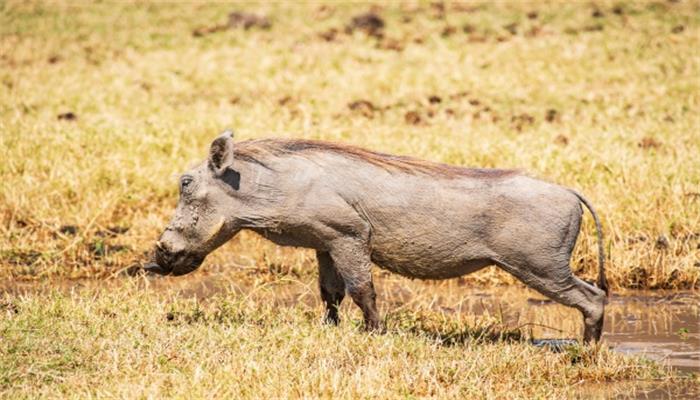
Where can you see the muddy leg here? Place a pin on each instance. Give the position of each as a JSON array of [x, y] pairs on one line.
[[592, 308], [594, 315], [365, 297], [332, 287], [563, 287], [353, 263]]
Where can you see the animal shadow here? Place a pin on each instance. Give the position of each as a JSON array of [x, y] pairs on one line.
[[450, 332]]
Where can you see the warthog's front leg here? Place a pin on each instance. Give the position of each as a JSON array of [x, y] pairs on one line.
[[352, 262], [364, 296], [332, 286]]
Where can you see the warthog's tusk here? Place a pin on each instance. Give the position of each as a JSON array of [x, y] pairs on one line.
[[215, 230], [159, 245]]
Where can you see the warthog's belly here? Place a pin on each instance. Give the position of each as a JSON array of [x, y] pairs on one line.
[[427, 268]]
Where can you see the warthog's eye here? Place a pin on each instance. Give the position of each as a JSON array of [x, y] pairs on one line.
[[185, 182]]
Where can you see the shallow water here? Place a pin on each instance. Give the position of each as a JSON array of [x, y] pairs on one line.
[[664, 326], [638, 390]]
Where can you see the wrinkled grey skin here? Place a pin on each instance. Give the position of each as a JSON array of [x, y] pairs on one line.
[[354, 213]]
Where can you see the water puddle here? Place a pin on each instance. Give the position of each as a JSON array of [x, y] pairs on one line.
[[662, 326], [638, 390]]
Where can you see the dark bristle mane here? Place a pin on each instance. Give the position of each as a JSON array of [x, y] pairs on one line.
[[253, 151]]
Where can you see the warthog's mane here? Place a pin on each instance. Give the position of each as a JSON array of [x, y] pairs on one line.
[[258, 150]]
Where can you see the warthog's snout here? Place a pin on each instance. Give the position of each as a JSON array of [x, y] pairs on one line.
[[169, 261]]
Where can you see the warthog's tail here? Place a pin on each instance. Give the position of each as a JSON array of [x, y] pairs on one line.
[[602, 282]]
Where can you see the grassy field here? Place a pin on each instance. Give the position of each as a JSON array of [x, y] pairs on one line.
[[132, 340], [103, 105]]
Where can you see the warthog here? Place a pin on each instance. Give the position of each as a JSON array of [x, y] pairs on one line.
[[357, 207]]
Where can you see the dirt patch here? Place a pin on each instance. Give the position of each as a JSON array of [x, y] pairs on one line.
[[370, 23], [649, 143], [236, 20], [468, 28], [324, 12], [434, 99], [551, 115], [67, 116], [413, 118], [206, 30], [521, 121], [593, 28], [71, 230], [448, 31], [247, 21], [678, 29], [390, 44], [533, 31], [476, 38], [438, 10], [512, 28], [561, 140], [330, 35], [363, 107], [286, 100]]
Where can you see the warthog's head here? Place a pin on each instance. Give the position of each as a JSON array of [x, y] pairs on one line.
[[203, 218]]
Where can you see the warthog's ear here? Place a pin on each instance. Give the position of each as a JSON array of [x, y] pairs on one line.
[[221, 153]]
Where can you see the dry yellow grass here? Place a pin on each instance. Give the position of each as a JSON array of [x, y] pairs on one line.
[[599, 97], [134, 341], [102, 105]]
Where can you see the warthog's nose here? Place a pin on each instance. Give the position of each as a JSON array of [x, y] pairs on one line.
[[164, 248], [172, 257], [166, 252], [170, 242]]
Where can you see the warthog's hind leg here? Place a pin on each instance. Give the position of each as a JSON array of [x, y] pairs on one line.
[[560, 285], [332, 287]]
